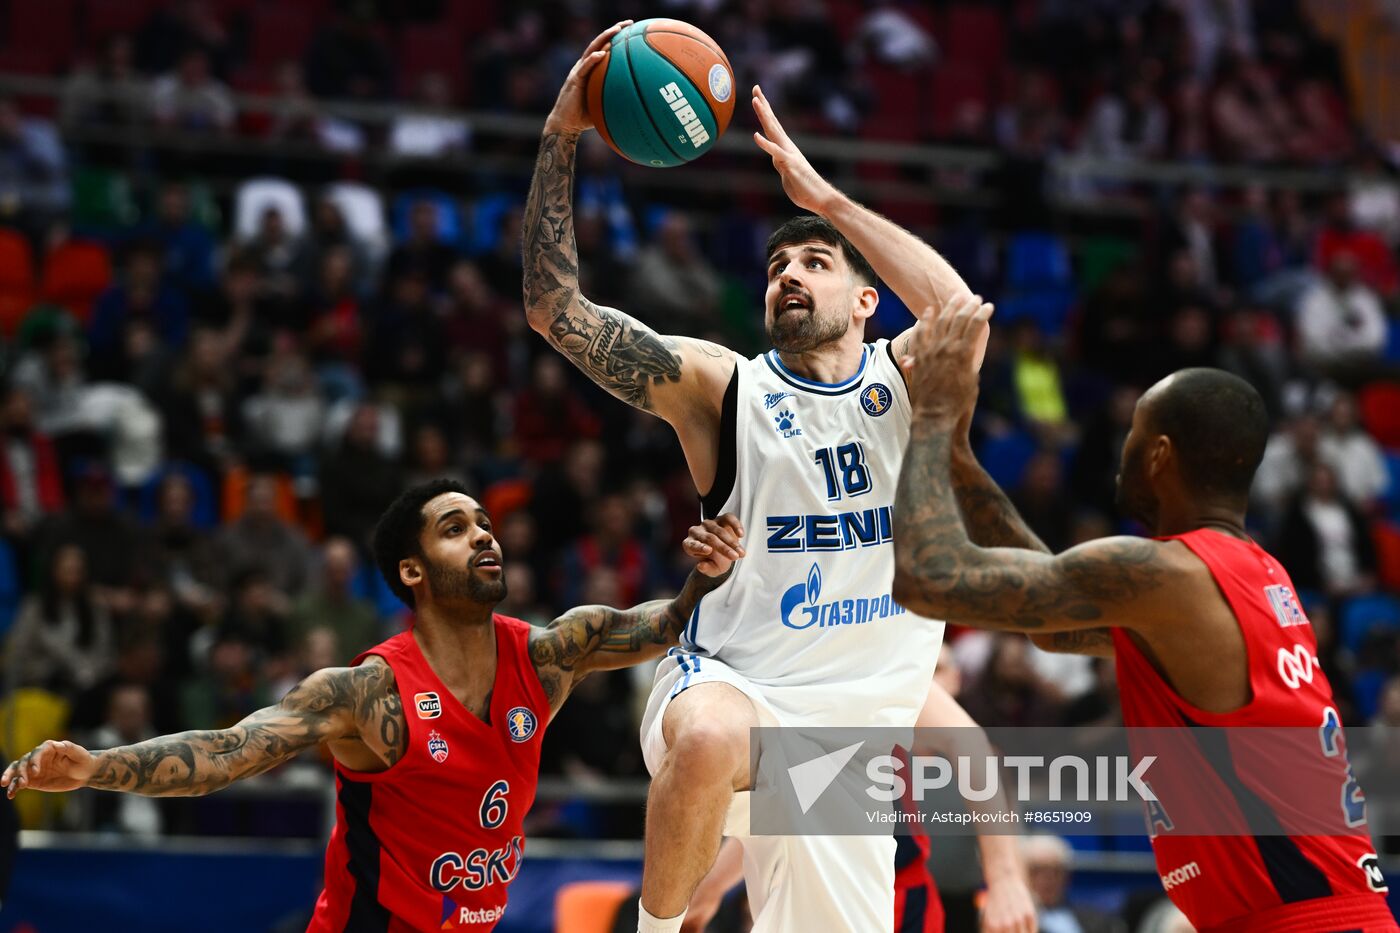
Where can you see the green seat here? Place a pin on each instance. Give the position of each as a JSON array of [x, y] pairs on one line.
[[1101, 256], [102, 198]]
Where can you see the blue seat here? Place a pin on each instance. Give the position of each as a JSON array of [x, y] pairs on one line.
[[1364, 614], [1048, 306], [1037, 260], [1392, 343], [449, 220], [1005, 456], [487, 215], [10, 589], [1391, 496], [1366, 687]]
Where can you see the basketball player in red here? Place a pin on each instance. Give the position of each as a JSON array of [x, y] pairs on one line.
[[1196, 618], [435, 733]]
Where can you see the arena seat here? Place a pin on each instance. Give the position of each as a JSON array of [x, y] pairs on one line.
[[363, 210], [280, 32], [1362, 615], [1037, 260], [429, 49], [75, 273], [1379, 404], [1005, 456], [973, 34], [16, 280], [589, 906], [205, 509], [1386, 536], [104, 18], [43, 27], [256, 195]]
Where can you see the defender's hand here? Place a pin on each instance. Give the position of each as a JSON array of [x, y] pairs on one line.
[[1009, 908], [53, 766], [570, 113], [716, 543], [803, 186], [941, 364]]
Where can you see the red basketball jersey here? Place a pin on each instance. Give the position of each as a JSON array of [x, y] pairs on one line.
[[433, 842], [1285, 882]]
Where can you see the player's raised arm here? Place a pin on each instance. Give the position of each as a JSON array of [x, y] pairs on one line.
[[913, 270], [677, 378], [599, 638], [329, 704], [940, 571]]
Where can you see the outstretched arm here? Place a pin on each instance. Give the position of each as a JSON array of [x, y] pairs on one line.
[[598, 638], [913, 270], [330, 704], [674, 377], [941, 572]]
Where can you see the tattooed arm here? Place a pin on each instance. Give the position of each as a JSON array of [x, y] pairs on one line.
[[597, 638], [939, 571], [1095, 641], [335, 703]]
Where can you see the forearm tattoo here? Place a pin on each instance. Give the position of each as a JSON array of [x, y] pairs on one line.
[[616, 351], [938, 568], [598, 638], [335, 703], [991, 519]]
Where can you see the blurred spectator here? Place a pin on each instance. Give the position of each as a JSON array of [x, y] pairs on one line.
[[1324, 542], [199, 406], [112, 94], [261, 540], [673, 280], [1374, 202], [335, 337], [1035, 375], [1253, 346], [429, 132], [430, 457], [1252, 122], [1288, 461], [128, 721], [188, 261], [1215, 28], [228, 689], [106, 535], [1164, 917], [477, 318], [599, 193], [177, 553], [1341, 323], [333, 605], [283, 263], [140, 298], [565, 491], [1031, 123], [63, 639], [31, 486], [1191, 232], [33, 169], [1009, 691], [1127, 124], [358, 481], [191, 99], [1354, 455], [611, 544], [408, 345], [1191, 122], [893, 37], [174, 28], [51, 372], [285, 419], [1098, 705], [471, 409], [1041, 503], [1325, 135], [548, 416], [259, 614], [331, 232], [1375, 264], [1047, 861], [347, 60], [424, 252]]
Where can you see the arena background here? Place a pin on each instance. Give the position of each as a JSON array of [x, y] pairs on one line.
[[259, 268]]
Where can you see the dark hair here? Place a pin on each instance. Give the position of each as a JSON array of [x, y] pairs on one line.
[[396, 534], [806, 227], [1219, 426]]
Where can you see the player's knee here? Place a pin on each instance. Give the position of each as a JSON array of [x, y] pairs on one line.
[[709, 750]]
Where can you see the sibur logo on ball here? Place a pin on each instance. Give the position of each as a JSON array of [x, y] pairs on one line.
[[690, 120]]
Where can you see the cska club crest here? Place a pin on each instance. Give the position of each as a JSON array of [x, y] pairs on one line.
[[437, 747]]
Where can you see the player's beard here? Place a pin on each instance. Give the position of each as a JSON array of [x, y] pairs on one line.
[[450, 583], [799, 332], [1132, 495]]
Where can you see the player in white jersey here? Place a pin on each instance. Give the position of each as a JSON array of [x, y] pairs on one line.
[[804, 444]]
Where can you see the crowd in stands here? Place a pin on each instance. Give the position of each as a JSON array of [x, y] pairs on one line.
[[210, 395]]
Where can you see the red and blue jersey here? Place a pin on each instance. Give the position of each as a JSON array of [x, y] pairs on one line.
[[433, 842], [1282, 881]]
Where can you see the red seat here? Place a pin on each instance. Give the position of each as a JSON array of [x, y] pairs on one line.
[[42, 26], [16, 280], [470, 18], [1379, 404], [899, 103], [75, 273], [426, 50], [1387, 538], [974, 34], [114, 17], [280, 33], [954, 84]]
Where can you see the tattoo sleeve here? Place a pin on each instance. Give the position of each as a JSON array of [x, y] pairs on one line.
[[592, 638], [990, 518], [939, 570], [1095, 641], [618, 352], [333, 703]]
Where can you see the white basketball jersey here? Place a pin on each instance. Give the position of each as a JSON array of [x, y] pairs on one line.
[[808, 615]]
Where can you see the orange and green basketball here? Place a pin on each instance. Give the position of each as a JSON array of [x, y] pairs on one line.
[[663, 94]]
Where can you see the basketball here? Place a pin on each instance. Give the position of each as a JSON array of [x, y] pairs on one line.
[[663, 94]]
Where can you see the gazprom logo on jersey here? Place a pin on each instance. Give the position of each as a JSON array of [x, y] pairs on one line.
[[806, 597]]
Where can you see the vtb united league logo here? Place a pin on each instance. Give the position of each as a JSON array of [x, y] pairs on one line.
[[437, 747], [520, 723]]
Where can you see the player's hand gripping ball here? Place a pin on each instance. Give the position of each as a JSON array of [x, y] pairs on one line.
[[663, 93]]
